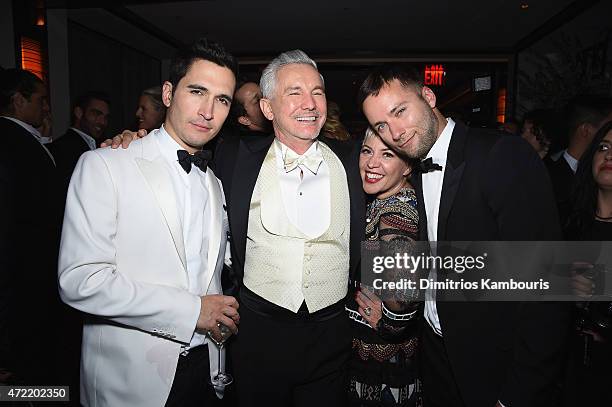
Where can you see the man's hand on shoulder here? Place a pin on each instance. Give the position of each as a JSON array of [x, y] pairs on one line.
[[124, 139], [218, 309]]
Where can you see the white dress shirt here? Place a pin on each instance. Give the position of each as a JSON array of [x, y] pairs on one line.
[[306, 194], [86, 138], [571, 161], [34, 133], [432, 192], [191, 193]]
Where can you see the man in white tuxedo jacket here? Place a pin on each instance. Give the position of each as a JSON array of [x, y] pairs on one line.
[[143, 246]]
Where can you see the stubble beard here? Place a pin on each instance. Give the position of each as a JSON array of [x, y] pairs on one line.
[[428, 137]]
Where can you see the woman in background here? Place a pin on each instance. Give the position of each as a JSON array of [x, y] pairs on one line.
[[590, 372], [151, 111], [333, 127]]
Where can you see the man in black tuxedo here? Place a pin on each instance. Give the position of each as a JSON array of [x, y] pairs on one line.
[[29, 234], [486, 187], [245, 118], [89, 121], [294, 244]]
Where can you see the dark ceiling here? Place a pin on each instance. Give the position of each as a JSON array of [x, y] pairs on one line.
[[336, 28]]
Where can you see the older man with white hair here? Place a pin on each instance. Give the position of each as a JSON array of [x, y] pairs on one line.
[[296, 218]]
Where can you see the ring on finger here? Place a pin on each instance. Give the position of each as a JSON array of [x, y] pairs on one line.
[[368, 311]]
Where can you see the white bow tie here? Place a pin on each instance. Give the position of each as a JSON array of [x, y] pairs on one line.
[[312, 161]]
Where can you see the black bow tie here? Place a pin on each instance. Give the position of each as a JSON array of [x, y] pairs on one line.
[[428, 165], [200, 159]]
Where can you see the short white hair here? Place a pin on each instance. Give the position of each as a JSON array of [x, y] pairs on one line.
[[267, 83]]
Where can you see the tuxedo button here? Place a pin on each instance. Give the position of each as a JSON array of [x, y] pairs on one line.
[[307, 272], [306, 285]]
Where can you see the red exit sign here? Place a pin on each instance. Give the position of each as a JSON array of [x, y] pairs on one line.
[[434, 75]]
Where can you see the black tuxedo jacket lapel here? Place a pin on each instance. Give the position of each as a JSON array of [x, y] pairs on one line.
[[349, 156], [76, 139], [455, 164], [20, 141], [250, 156], [67, 150], [417, 182], [80, 145]]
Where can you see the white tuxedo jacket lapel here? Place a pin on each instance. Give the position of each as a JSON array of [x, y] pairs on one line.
[[216, 225], [152, 167]]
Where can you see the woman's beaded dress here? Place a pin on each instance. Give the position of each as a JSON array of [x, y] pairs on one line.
[[383, 367]]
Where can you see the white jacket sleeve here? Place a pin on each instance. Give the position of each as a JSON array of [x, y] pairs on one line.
[[90, 279]]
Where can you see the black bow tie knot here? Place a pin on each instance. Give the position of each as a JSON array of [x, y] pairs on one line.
[[428, 165], [200, 159]]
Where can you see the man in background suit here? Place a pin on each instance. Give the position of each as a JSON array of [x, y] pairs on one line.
[[143, 246], [483, 186], [296, 212], [245, 117], [89, 121], [29, 235], [246, 114]]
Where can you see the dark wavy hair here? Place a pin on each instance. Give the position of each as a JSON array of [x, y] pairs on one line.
[[585, 189], [14, 81], [84, 99], [200, 49]]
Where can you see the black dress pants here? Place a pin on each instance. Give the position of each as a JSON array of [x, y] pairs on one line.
[[291, 360], [191, 385], [439, 386]]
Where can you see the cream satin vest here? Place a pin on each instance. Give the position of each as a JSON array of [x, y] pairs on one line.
[[283, 265]]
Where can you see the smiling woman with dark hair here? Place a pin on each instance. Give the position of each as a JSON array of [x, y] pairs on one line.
[[592, 208], [383, 363]]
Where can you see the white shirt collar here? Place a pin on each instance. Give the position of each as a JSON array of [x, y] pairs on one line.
[[439, 150], [91, 142], [571, 161], [282, 149], [26, 126], [167, 144]]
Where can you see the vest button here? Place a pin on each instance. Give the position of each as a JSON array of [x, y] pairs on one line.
[[306, 285], [307, 272]]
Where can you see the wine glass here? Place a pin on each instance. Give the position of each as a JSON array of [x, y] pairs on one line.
[[222, 378]]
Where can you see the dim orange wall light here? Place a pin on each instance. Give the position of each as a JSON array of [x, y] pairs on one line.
[[31, 57], [501, 106], [40, 13]]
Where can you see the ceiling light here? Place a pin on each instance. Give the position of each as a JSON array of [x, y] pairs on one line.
[[524, 6]]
